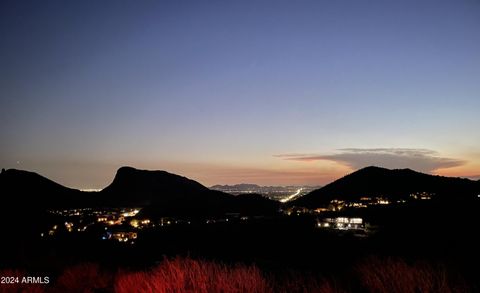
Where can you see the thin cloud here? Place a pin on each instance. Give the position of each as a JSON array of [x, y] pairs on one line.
[[424, 160]]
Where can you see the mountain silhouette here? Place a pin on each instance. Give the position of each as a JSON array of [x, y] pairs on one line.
[[30, 189], [143, 187], [25, 198], [393, 184], [166, 194]]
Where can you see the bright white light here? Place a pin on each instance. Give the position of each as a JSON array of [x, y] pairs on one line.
[[290, 197], [356, 220]]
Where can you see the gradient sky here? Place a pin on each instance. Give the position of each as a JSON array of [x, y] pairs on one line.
[[267, 92]]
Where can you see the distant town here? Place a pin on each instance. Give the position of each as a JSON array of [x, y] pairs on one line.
[[279, 193], [124, 225]]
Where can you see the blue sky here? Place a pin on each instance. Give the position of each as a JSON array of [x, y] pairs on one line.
[[221, 91]]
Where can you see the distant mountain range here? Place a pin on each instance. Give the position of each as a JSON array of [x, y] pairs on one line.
[[393, 184], [248, 186], [242, 186]]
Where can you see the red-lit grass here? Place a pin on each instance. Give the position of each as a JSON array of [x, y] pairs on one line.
[[187, 275]]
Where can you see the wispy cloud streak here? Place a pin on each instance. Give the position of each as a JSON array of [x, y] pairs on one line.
[[424, 160]]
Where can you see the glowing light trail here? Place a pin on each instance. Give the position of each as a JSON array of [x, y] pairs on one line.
[[290, 197]]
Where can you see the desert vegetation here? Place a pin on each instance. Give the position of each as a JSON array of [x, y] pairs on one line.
[[175, 275]]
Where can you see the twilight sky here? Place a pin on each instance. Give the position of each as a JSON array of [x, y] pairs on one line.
[[267, 92]]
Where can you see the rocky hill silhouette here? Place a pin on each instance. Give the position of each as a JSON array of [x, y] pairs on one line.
[[393, 184], [143, 187], [30, 189]]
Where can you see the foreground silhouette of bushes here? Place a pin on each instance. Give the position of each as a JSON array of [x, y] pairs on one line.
[[177, 275]]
